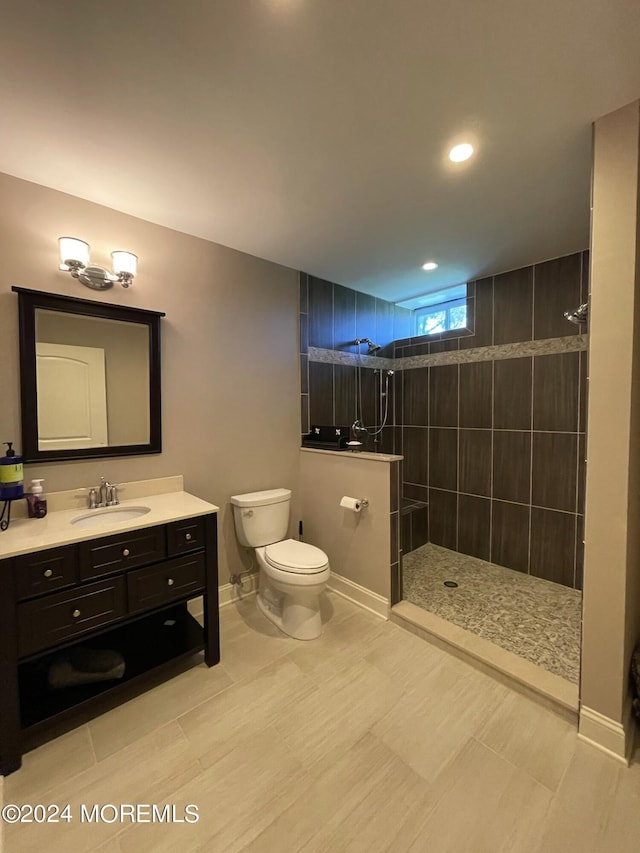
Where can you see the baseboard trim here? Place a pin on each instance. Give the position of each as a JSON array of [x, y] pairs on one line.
[[229, 593], [607, 735], [360, 595]]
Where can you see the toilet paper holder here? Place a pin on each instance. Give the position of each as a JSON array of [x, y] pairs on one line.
[[354, 504]]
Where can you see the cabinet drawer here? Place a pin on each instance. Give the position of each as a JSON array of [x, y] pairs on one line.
[[46, 571], [185, 536], [99, 557], [158, 585], [55, 618]]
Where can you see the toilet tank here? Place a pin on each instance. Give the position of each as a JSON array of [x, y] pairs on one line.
[[261, 517]]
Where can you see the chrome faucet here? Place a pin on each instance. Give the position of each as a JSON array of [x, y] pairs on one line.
[[105, 488], [105, 494]]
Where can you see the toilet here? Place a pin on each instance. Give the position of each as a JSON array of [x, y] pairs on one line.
[[292, 573]]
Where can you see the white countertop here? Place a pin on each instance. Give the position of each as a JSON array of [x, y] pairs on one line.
[[26, 535]]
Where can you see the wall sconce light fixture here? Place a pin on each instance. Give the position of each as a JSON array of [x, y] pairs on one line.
[[74, 258]]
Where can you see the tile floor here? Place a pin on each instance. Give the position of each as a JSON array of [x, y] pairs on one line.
[[534, 618], [368, 739]]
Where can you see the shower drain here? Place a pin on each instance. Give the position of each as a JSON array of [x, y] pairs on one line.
[[451, 584]]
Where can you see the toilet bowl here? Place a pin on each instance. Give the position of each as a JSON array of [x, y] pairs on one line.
[[293, 574]]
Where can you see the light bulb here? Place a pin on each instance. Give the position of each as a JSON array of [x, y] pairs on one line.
[[73, 250], [461, 152]]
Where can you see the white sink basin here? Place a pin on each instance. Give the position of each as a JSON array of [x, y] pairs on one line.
[[109, 515]]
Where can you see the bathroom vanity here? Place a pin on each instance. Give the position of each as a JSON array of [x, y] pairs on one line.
[[101, 581]]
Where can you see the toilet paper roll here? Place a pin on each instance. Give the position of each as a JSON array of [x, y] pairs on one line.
[[351, 503]]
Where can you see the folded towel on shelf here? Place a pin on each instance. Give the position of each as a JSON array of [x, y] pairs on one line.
[[84, 666]]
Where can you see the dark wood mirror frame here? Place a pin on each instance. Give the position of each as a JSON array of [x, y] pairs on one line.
[[28, 302]]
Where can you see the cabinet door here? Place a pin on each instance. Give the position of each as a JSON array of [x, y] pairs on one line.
[[167, 582], [47, 621], [185, 536], [46, 571], [99, 557]]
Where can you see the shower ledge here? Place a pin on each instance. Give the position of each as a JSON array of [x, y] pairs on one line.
[[537, 683]]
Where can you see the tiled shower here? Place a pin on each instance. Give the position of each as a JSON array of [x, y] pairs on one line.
[[491, 422]]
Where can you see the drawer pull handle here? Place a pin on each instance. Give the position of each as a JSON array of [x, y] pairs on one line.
[[75, 614], [188, 537], [48, 573], [170, 582], [125, 552]]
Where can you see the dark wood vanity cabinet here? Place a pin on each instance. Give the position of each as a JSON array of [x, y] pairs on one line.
[[126, 592]]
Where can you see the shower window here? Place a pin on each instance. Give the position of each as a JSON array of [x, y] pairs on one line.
[[441, 317]]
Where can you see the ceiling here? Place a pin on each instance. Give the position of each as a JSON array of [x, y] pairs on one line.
[[314, 133]]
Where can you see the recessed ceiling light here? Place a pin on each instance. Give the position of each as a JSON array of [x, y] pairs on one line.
[[430, 265], [461, 152]]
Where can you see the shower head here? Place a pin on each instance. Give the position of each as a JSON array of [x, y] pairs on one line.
[[579, 316], [372, 347]]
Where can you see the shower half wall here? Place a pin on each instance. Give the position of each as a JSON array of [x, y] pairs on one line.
[[492, 425]]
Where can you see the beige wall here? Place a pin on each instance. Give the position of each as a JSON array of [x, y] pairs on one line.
[[229, 348], [612, 541], [358, 544]]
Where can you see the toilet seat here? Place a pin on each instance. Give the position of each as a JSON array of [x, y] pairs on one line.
[[296, 557]]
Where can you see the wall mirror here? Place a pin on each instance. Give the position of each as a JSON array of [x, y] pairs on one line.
[[89, 378]]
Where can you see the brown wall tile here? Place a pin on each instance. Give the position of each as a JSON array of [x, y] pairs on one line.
[[344, 318], [475, 394], [443, 458], [394, 486], [396, 583], [304, 332], [483, 320], [415, 396], [584, 391], [321, 393], [304, 292], [474, 526], [579, 552], [386, 441], [553, 542], [512, 466], [555, 391], [412, 492], [474, 461], [513, 306], [554, 470], [394, 529], [383, 332], [344, 377], [448, 345], [510, 536], [556, 288], [582, 471], [365, 317], [443, 395], [367, 395], [405, 532], [320, 313], [416, 455], [419, 526], [512, 393], [402, 320], [443, 508]]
